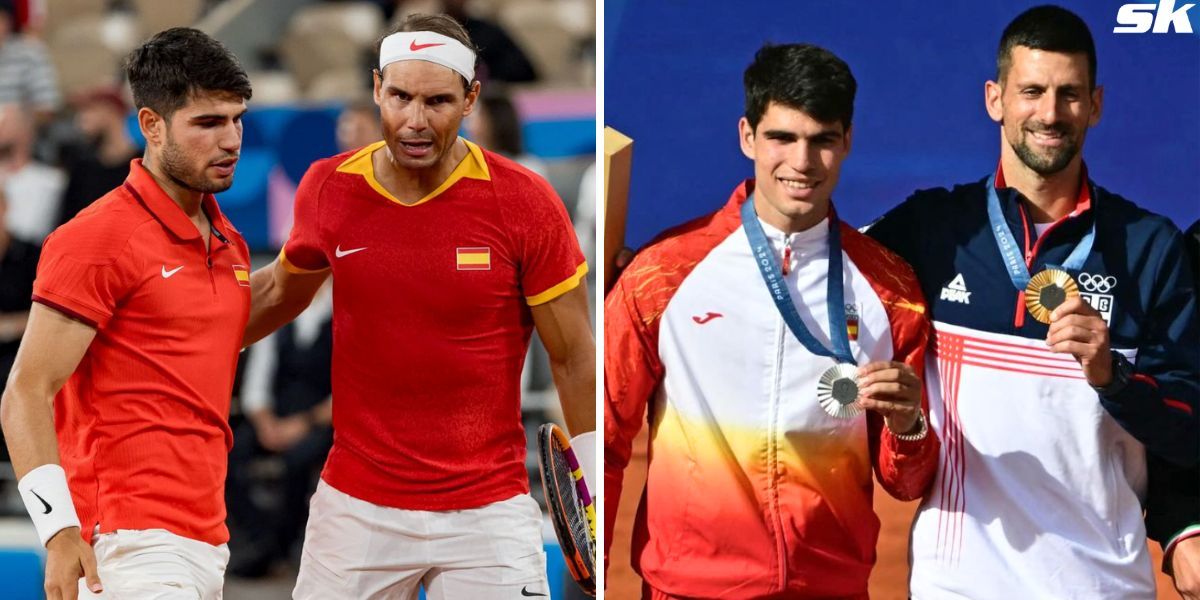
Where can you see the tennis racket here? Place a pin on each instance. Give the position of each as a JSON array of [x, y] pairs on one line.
[[571, 507]]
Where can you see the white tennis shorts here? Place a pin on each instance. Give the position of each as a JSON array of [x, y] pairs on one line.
[[155, 564], [356, 549]]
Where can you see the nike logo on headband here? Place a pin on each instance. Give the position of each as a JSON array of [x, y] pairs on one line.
[[414, 46]]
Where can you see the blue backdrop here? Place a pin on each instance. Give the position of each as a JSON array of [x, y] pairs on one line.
[[673, 73]]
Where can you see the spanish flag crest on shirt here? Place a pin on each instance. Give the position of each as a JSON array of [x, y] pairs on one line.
[[474, 258]]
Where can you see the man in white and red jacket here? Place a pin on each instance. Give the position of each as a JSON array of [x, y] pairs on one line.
[[779, 354]]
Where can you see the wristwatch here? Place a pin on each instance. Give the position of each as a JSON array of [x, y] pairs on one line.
[[922, 431], [1122, 372]]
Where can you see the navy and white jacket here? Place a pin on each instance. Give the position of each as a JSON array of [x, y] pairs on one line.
[[1041, 481]]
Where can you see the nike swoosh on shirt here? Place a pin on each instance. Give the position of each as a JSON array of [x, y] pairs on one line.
[[338, 252], [414, 46], [44, 503], [166, 274], [525, 592]]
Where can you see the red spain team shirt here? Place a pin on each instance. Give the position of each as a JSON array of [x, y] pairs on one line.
[[431, 323], [142, 423]]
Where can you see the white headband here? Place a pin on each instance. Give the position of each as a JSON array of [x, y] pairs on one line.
[[428, 46]]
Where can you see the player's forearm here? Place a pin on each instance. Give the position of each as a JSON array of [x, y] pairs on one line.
[[905, 468], [27, 416], [575, 379], [270, 306], [1166, 424]]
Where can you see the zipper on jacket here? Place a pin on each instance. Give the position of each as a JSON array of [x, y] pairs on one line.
[[773, 454], [773, 475]]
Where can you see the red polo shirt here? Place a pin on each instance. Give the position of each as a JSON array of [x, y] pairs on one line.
[[142, 422], [431, 322]]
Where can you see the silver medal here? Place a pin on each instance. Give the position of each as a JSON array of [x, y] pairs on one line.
[[837, 391]]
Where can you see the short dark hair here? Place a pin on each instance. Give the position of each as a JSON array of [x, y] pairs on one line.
[[1049, 28], [440, 24], [179, 63], [803, 77]]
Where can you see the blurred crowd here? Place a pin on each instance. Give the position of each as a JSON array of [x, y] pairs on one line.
[[66, 138]]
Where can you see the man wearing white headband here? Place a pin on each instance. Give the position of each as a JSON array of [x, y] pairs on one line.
[[445, 256]]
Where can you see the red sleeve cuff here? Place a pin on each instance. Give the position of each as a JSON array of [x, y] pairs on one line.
[[75, 310]]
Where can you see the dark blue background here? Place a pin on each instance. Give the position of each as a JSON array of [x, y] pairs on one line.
[[673, 82]]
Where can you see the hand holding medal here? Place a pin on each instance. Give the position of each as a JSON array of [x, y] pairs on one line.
[[893, 390], [1077, 329], [1047, 291]]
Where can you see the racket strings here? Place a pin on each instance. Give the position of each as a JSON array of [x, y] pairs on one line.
[[576, 521]]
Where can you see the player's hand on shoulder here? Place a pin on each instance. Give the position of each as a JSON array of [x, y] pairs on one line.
[[68, 558], [893, 390], [1077, 329]]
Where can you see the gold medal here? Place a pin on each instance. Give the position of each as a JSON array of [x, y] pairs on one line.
[[1047, 291], [837, 391]]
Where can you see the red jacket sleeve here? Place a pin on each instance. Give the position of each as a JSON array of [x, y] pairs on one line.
[[632, 373], [906, 468]]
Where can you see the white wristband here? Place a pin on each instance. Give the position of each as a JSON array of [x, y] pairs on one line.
[[48, 500], [584, 446]]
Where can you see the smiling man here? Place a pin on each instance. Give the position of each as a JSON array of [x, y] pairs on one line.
[[779, 353], [116, 408], [444, 257], [1069, 358]]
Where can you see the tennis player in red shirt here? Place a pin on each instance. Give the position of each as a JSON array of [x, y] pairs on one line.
[[116, 409], [444, 258]]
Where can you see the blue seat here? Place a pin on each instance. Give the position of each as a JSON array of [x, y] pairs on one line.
[[309, 135], [560, 138], [263, 126]]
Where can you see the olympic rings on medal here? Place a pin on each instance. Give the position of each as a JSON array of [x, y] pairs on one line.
[[1097, 283]]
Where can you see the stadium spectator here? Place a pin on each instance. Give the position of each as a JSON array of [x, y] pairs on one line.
[[358, 125], [27, 77], [100, 161], [287, 403], [500, 56], [18, 266], [34, 189], [495, 125]]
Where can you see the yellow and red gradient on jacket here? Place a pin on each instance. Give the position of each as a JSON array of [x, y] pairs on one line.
[[731, 510]]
